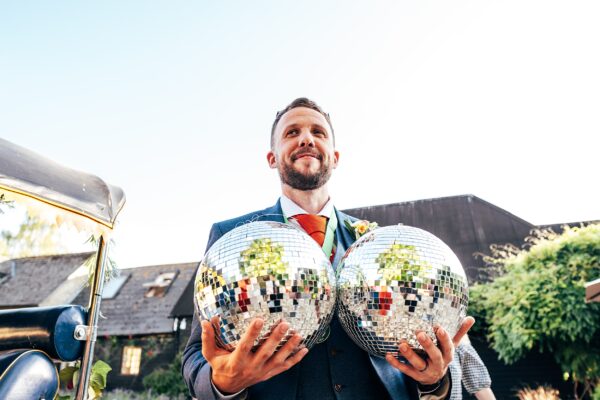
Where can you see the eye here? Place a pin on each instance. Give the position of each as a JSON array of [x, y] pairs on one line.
[[319, 132], [292, 132]]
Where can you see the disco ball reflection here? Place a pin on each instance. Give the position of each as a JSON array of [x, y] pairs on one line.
[[266, 270], [397, 280]]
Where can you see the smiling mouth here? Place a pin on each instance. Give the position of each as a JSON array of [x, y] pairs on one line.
[[302, 155]]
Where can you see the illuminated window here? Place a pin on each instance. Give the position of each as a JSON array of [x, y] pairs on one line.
[[132, 356]]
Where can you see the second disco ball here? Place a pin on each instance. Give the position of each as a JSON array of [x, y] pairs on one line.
[[396, 280], [265, 270]]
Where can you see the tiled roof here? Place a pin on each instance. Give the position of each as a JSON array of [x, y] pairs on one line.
[[35, 278], [130, 313], [185, 305]]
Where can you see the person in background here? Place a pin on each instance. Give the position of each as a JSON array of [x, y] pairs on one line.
[[468, 368]]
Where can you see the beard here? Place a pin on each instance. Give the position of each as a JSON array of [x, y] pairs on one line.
[[305, 181]]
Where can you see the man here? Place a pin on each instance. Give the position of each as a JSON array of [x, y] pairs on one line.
[[303, 152]]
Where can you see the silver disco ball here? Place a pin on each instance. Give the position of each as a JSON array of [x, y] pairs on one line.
[[266, 270], [397, 280]]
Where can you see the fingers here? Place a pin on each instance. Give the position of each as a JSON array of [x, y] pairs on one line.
[[266, 350], [247, 341], [282, 361], [209, 344], [462, 331], [426, 371], [411, 356], [445, 344], [286, 350], [433, 352], [404, 368], [295, 359]]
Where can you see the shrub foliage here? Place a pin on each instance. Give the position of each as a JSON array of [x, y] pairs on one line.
[[537, 302], [167, 381]]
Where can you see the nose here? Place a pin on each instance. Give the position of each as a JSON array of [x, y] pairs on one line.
[[306, 138]]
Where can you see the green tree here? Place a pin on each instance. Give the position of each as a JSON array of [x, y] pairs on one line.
[[538, 303], [33, 237]]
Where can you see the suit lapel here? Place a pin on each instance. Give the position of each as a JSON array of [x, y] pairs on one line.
[[344, 234], [344, 237], [272, 214]]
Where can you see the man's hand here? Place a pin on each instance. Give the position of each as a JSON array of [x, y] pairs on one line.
[[432, 369], [241, 368]]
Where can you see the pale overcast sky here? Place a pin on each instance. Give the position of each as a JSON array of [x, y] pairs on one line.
[[173, 101]]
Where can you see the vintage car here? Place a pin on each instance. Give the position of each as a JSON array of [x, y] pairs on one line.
[[34, 339]]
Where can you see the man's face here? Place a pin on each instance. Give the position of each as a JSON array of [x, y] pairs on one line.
[[303, 150]]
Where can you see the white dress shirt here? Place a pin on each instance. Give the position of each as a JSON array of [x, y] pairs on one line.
[[290, 209]]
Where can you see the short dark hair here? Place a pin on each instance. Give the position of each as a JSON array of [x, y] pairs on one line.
[[301, 102]]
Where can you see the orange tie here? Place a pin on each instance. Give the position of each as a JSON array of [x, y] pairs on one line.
[[314, 225]]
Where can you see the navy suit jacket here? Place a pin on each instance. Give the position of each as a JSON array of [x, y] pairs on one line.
[[196, 370]]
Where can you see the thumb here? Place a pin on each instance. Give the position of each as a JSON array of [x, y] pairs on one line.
[[209, 344], [462, 331]]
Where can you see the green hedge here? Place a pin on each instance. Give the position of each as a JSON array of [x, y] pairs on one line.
[[538, 302]]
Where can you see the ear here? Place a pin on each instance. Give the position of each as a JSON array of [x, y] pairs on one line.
[[271, 159], [336, 157]]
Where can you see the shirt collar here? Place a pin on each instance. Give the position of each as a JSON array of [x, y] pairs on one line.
[[290, 208]]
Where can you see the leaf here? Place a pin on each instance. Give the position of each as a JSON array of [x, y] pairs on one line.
[[97, 382], [111, 269], [101, 367], [348, 225], [93, 394], [100, 370]]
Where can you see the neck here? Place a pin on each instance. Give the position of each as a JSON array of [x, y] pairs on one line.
[[312, 201]]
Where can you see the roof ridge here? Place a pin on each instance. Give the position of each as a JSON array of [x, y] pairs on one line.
[[501, 210], [418, 201], [51, 255], [192, 263]]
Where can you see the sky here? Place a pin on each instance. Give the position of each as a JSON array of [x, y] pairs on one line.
[[173, 101]]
